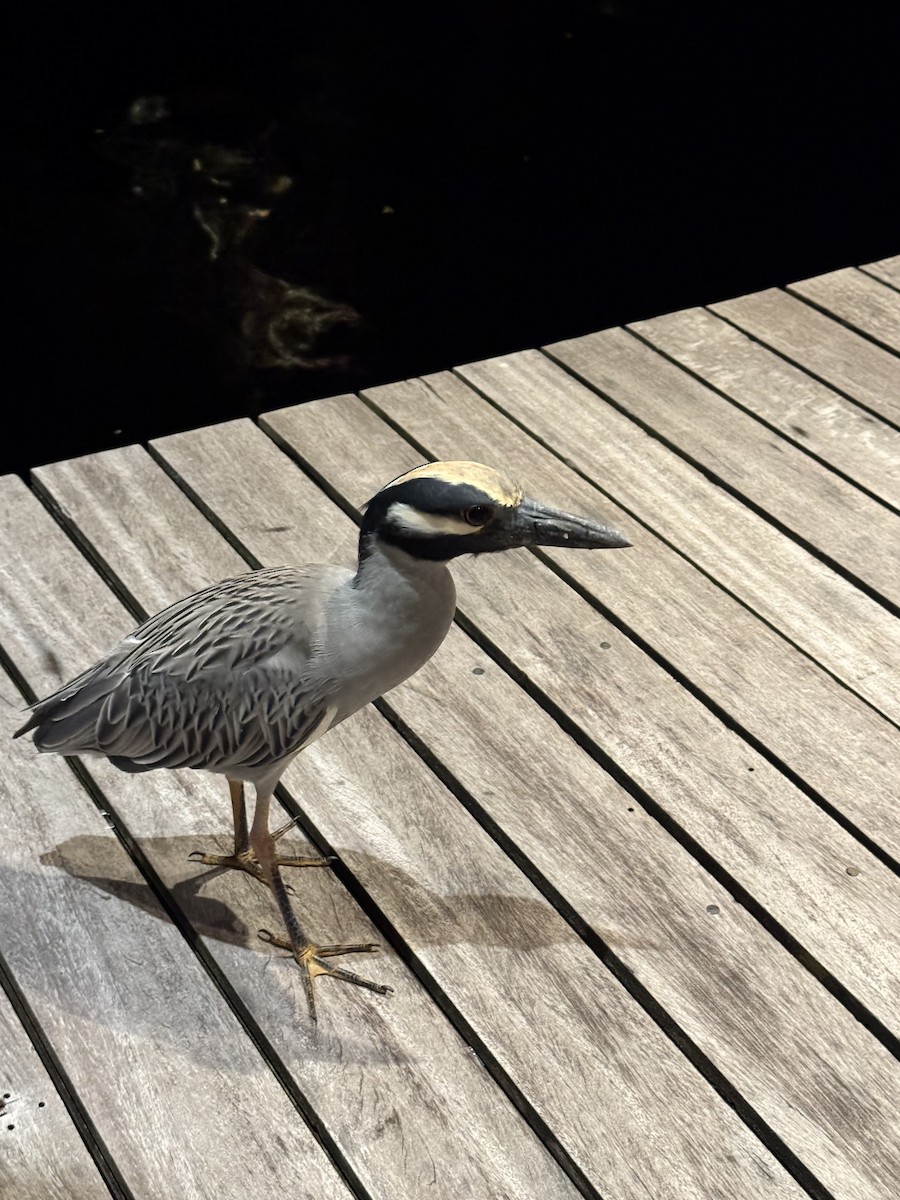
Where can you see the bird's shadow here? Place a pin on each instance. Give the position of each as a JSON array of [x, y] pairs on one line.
[[87, 858], [203, 894], [227, 908]]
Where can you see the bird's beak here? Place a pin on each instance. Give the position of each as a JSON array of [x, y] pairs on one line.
[[537, 525]]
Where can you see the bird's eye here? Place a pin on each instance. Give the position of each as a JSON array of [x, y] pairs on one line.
[[478, 514]]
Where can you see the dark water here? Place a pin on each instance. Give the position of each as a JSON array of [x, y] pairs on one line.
[[212, 217]]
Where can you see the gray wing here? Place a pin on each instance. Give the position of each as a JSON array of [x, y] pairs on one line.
[[223, 678]]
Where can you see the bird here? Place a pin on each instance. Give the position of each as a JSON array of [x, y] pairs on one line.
[[240, 677]]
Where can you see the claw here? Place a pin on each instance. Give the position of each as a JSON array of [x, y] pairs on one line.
[[246, 862], [309, 959], [299, 862], [283, 829]]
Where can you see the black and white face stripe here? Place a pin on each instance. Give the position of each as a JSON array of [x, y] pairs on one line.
[[444, 509], [417, 523], [441, 510]]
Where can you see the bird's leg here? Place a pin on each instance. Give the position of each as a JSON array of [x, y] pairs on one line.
[[243, 858], [309, 957]]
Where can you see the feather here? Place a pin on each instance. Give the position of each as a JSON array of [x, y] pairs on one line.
[[221, 679]]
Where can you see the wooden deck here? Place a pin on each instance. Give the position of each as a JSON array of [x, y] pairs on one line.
[[630, 841]]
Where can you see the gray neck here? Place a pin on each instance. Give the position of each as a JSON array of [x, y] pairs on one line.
[[385, 622], [379, 557]]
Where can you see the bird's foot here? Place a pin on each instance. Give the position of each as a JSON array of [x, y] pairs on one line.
[[310, 960], [247, 861]]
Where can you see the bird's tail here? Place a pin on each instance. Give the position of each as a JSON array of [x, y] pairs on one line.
[[66, 721]]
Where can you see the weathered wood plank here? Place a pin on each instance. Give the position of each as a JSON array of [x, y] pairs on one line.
[[769, 687], [675, 749], [567, 814], [821, 346], [490, 940], [826, 616], [863, 302], [836, 430], [885, 269], [133, 1019], [399, 1092], [495, 947], [826, 512], [43, 1157]]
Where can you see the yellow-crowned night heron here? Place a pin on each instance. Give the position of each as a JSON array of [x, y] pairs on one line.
[[242, 676]]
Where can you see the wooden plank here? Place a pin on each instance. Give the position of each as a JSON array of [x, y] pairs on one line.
[[804, 497], [823, 347], [885, 269], [826, 616], [43, 1157], [567, 816], [808, 500], [466, 911], [133, 1019], [338, 440], [770, 688], [552, 637], [787, 399], [865, 303], [398, 1091]]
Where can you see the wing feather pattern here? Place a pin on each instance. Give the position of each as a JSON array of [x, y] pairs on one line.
[[224, 678]]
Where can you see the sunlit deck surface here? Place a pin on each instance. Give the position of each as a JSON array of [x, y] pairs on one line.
[[630, 841]]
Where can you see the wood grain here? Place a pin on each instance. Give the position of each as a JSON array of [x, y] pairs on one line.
[[477, 926], [865, 303], [564, 812], [774, 691], [133, 1019], [885, 269], [846, 632], [494, 946], [823, 347], [799, 407], [43, 1157], [674, 748], [826, 512], [398, 1090]]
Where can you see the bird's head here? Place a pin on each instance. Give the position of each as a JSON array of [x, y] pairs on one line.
[[443, 509]]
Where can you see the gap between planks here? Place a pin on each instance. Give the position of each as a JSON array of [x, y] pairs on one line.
[[45, 1157], [358, 1031], [862, 449], [245, 530], [865, 304], [824, 348], [842, 630], [318, 799]]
